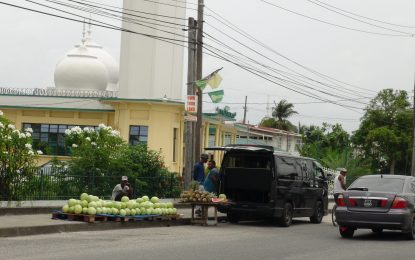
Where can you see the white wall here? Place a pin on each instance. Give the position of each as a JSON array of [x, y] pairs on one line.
[[151, 68]]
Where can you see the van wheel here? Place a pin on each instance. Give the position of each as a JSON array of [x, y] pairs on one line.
[[346, 232], [232, 218], [318, 213], [287, 215]]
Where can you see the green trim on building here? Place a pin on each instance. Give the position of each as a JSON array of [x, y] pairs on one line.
[[59, 108]]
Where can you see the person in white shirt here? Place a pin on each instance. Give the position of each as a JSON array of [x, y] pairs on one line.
[[122, 189], [340, 183]]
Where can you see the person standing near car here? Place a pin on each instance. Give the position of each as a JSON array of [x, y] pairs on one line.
[[199, 169], [211, 183], [340, 183]]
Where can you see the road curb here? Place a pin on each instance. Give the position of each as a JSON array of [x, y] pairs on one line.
[[97, 226]]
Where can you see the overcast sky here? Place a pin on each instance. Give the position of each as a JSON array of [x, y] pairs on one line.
[[31, 45]]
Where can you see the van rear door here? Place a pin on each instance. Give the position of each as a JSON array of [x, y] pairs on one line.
[[248, 175]]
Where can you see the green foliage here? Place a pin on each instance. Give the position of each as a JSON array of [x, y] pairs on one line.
[[101, 157], [281, 112], [331, 145], [17, 159], [385, 132]]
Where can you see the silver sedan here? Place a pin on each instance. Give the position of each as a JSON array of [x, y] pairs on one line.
[[378, 202]]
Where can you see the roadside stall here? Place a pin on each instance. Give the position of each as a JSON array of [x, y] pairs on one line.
[[90, 208]]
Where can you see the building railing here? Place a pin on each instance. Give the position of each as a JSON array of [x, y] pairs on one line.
[[57, 92]]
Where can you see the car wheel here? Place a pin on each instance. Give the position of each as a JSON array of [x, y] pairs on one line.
[[346, 232], [287, 215], [411, 234], [232, 218], [377, 230], [318, 213]]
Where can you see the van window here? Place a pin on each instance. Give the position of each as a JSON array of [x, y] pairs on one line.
[[286, 167], [308, 169], [246, 160]]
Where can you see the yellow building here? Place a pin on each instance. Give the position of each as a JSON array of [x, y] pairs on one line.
[[157, 123]]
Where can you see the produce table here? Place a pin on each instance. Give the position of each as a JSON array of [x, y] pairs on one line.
[[204, 206]]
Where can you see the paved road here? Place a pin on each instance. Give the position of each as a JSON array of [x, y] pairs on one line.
[[253, 240]]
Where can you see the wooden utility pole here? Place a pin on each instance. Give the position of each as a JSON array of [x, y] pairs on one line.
[[191, 76], [199, 71], [413, 136], [245, 108]]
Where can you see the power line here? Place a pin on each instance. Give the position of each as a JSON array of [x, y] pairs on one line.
[[356, 19], [135, 11], [169, 41], [287, 81], [124, 13], [238, 30], [279, 84], [283, 73], [365, 17], [168, 32], [333, 24], [98, 24]]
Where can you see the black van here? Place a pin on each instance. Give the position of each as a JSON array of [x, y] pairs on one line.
[[261, 183]]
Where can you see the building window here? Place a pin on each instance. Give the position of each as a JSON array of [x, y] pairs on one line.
[[175, 144], [50, 138], [212, 136], [227, 138], [138, 134]]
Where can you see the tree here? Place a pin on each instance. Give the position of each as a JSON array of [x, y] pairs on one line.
[[281, 112], [385, 131], [17, 159], [97, 155]]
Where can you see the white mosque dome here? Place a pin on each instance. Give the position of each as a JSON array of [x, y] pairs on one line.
[[109, 62], [80, 69]]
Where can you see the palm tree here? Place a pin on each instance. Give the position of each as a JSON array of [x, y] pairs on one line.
[[281, 112]]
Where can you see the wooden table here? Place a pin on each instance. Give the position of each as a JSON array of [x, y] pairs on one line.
[[203, 219]]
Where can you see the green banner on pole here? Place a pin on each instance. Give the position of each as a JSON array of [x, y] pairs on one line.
[[216, 96]]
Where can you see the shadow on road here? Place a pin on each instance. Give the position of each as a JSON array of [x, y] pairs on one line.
[[272, 223], [388, 235]]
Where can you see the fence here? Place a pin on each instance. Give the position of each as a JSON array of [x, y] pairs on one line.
[[47, 185]]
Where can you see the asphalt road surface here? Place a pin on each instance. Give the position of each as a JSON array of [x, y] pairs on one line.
[[249, 240]]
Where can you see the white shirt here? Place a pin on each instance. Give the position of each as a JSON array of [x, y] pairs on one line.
[[337, 185], [118, 189]]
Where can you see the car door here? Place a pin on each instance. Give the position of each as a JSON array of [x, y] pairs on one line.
[[309, 185], [288, 183]]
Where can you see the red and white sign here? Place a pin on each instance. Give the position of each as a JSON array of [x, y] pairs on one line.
[[191, 104]]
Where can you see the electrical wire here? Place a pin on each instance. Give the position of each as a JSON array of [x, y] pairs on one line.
[[359, 20], [282, 72], [333, 24], [165, 39], [365, 17], [238, 30]]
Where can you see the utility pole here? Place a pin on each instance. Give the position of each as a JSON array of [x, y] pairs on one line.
[[245, 108], [413, 136], [199, 71], [189, 125]]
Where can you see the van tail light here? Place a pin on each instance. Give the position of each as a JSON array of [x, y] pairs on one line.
[[399, 203], [340, 201]]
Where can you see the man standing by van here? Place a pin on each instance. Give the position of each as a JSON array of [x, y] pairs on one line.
[[199, 169], [340, 183]]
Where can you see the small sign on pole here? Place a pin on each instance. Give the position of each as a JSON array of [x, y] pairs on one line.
[[191, 104], [190, 118]]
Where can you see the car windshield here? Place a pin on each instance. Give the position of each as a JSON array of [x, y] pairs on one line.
[[379, 184]]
